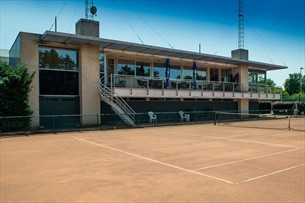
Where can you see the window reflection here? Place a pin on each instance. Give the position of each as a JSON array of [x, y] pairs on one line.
[[187, 74], [175, 72], [159, 70], [142, 69], [51, 58], [126, 67], [201, 75]]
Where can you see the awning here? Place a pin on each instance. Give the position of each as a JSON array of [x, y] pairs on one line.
[[50, 36]]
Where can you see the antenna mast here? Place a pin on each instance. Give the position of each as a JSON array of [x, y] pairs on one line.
[[241, 25], [92, 10], [86, 9]]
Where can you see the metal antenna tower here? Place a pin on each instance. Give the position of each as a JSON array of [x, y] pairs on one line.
[[86, 9], [241, 39]]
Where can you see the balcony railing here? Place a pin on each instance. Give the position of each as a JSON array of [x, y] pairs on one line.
[[131, 82]]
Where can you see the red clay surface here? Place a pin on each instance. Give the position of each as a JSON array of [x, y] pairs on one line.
[[189, 163]]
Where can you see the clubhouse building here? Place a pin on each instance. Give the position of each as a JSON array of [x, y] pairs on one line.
[[83, 74]]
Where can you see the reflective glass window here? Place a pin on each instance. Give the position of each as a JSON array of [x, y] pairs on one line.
[[102, 65], [159, 70], [187, 73], [142, 69], [201, 75], [51, 58], [226, 75], [126, 67]]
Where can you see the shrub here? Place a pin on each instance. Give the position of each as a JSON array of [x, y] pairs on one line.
[[15, 86]]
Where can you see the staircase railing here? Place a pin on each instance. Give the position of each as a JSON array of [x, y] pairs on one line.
[[118, 105]]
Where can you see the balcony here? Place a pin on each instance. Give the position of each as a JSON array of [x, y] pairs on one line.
[[143, 87]]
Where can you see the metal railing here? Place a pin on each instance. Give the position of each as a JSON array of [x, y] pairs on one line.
[[117, 104], [126, 81]]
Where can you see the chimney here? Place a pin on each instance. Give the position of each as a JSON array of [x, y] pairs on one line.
[[240, 54], [88, 28]]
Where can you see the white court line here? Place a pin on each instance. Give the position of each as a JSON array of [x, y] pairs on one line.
[[153, 160], [286, 169], [247, 159], [238, 140]]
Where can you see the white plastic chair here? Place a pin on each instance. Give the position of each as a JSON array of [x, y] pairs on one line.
[[183, 116], [152, 117]]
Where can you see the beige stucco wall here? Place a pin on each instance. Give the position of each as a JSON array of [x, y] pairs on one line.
[[243, 105], [243, 72], [89, 83], [29, 57]]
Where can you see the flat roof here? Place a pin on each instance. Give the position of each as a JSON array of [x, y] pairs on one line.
[[50, 36]]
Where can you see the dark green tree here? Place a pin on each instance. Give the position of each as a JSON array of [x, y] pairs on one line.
[[269, 82], [15, 86], [292, 83]]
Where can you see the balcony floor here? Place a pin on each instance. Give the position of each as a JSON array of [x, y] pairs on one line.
[[189, 94]]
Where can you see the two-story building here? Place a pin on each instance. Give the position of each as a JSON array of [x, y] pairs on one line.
[[83, 74]]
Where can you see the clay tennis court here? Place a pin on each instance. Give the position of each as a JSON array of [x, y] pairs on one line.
[[188, 163]]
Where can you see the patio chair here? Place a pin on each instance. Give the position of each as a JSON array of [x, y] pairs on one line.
[[142, 83], [183, 116], [152, 117]]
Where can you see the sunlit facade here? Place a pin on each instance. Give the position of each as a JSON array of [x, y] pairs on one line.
[[70, 67]]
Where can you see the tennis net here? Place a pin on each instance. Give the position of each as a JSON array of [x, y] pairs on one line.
[[263, 121]]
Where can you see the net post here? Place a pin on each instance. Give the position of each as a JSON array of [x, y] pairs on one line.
[[53, 123], [289, 118], [97, 123]]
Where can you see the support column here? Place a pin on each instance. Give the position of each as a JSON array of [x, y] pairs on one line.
[[29, 56], [243, 73], [105, 68], [243, 105], [89, 84]]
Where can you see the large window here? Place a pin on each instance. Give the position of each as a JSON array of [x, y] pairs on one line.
[[50, 58], [126, 67], [159, 70], [252, 77], [58, 82], [226, 75], [58, 72], [175, 72], [201, 75], [187, 73], [142, 69], [256, 77], [102, 72], [213, 74]]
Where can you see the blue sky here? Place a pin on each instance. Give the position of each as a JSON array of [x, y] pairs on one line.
[[274, 29]]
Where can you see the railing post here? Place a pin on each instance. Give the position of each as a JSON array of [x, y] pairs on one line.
[[111, 81], [213, 86], [289, 118], [53, 123]]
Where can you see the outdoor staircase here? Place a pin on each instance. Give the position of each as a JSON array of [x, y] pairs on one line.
[[118, 105]]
